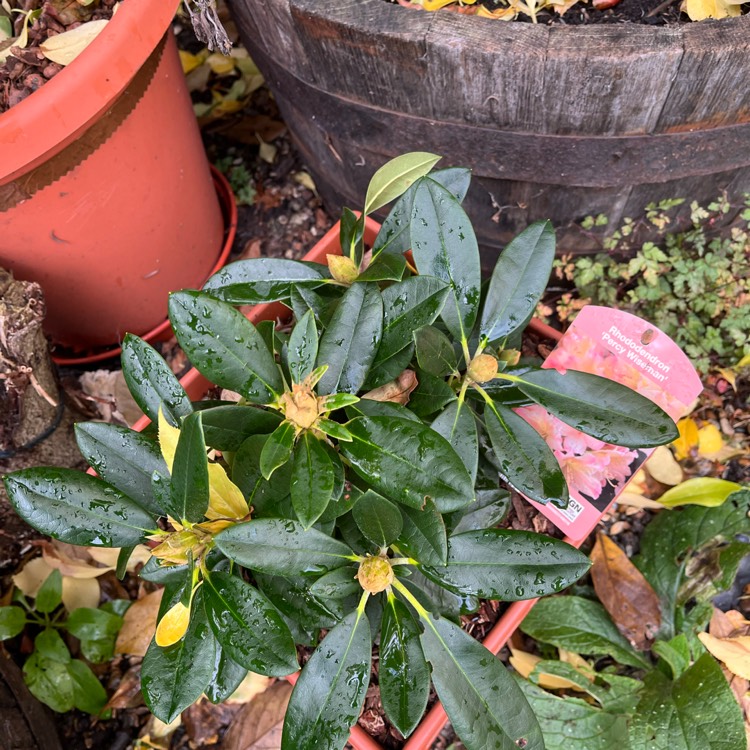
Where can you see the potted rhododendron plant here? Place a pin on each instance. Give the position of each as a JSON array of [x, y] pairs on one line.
[[351, 496]]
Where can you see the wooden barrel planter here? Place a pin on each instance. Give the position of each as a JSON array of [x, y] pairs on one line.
[[557, 122]]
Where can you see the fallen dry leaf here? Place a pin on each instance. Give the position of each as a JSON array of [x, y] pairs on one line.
[[258, 725], [728, 624], [128, 693], [688, 438], [80, 592], [397, 391], [65, 47], [253, 685], [139, 624], [205, 722], [633, 500], [525, 663], [663, 467], [734, 652], [30, 578], [628, 597]]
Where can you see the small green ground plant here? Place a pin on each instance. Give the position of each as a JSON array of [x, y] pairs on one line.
[[671, 694], [52, 675], [355, 487], [694, 287]]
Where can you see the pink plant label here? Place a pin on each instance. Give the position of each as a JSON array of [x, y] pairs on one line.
[[624, 348]]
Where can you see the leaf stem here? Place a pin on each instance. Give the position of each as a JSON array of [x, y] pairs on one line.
[[421, 611], [363, 602]]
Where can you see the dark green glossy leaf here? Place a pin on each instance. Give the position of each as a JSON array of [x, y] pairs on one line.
[[444, 245], [277, 450], [573, 723], [12, 622], [266, 496], [175, 677], [524, 460], [370, 408], [423, 535], [225, 346], [350, 342], [695, 712], [303, 347], [49, 596], [457, 424], [404, 676], [312, 479], [49, 681], [579, 625], [407, 307], [188, 497], [600, 407], [408, 462], [227, 427], [50, 645], [77, 508], [351, 534], [338, 584], [303, 299], [351, 233], [156, 573], [378, 519], [86, 623], [393, 237], [436, 599], [490, 508], [330, 692], [282, 547], [390, 368], [88, 693], [669, 537], [518, 281], [385, 267], [293, 598], [482, 700], [152, 383], [435, 353], [226, 678], [248, 282], [123, 558], [430, 395], [248, 627], [508, 565], [123, 458]]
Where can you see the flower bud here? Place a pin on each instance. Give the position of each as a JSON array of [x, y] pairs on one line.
[[482, 368], [375, 574]]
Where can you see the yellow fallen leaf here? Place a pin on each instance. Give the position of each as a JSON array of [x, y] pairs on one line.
[[190, 62], [577, 662], [252, 685], [220, 64], [709, 440], [80, 592], [525, 663], [635, 500], [734, 652], [699, 10], [707, 491], [744, 362], [267, 151], [64, 48], [73, 561], [138, 625], [688, 438], [108, 556], [662, 466], [31, 577], [730, 376], [304, 179]]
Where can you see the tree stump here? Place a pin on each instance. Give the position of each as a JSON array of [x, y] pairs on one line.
[[30, 401]]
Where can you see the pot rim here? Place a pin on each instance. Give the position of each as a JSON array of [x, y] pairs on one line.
[[42, 124]]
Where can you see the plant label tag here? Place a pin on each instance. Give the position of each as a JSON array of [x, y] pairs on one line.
[[624, 348]]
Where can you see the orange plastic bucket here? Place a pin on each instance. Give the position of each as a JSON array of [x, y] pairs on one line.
[[106, 198]]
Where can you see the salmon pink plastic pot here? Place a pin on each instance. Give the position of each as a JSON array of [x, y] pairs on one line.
[[106, 198], [196, 386]]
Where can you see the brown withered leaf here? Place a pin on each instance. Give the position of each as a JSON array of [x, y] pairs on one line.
[[625, 593], [128, 693], [258, 725], [205, 722], [397, 391], [139, 624]]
